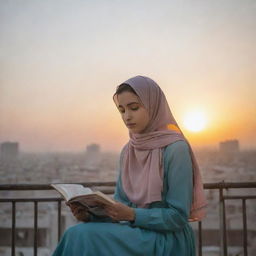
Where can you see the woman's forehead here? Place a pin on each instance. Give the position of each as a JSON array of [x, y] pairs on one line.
[[126, 98]]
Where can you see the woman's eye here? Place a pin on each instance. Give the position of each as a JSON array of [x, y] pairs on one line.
[[135, 108]]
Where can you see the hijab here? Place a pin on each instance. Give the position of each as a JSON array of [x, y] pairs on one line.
[[142, 161]]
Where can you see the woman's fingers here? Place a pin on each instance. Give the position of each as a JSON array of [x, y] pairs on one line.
[[82, 216], [110, 209], [110, 212], [80, 212], [113, 212], [79, 209], [120, 211]]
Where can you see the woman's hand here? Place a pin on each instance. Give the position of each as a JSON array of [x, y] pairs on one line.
[[119, 212], [80, 212]]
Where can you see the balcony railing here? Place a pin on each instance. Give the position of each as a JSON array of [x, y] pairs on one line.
[[108, 188]]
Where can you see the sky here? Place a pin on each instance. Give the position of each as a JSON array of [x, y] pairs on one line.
[[60, 63]]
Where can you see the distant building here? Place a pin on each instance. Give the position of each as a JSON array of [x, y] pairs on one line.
[[229, 146], [9, 150], [93, 157], [93, 149]]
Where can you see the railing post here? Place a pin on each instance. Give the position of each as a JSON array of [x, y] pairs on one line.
[[13, 227], [223, 231], [35, 226], [59, 219], [244, 228], [200, 238]]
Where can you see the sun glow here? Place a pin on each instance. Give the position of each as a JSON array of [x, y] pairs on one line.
[[195, 121]]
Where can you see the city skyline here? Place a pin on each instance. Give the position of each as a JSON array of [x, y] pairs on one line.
[[61, 62]]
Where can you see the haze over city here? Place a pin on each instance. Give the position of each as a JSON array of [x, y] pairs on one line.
[[62, 60]]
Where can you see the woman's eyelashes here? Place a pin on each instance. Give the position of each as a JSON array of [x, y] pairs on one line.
[[122, 110]]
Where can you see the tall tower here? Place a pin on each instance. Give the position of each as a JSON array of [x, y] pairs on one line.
[[229, 146], [9, 151], [93, 156]]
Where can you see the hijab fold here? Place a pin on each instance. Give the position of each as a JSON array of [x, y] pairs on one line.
[[142, 165]]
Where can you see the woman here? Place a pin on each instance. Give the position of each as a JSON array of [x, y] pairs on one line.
[[159, 188]]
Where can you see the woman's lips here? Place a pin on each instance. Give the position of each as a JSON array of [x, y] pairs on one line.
[[130, 125]]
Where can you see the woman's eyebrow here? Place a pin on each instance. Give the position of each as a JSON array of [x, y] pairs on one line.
[[129, 104]]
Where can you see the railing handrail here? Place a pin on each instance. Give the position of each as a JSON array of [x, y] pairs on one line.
[[213, 185], [227, 185], [49, 187]]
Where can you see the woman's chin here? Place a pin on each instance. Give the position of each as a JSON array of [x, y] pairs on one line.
[[133, 130]]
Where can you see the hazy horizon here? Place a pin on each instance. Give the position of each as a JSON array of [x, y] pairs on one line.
[[61, 62]]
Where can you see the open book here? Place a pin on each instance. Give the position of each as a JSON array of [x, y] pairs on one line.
[[93, 201]]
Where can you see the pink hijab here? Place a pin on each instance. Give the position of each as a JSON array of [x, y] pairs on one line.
[[142, 168]]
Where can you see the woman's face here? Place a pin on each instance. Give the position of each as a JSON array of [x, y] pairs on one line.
[[133, 113]]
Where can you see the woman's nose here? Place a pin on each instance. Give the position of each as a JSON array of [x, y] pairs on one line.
[[127, 115]]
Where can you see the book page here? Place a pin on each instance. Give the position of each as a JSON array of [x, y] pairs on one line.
[[93, 199], [71, 190], [107, 198]]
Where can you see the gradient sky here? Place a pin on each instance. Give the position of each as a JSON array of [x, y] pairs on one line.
[[60, 62]]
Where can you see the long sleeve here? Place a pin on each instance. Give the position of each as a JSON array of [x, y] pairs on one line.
[[179, 177]]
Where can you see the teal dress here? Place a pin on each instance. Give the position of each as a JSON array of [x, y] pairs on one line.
[[160, 230]]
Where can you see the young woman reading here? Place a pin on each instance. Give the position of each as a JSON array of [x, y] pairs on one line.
[[159, 187]]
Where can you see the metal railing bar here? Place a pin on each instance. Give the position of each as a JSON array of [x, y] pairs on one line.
[[50, 199], [239, 197], [35, 226], [105, 190], [49, 187], [59, 220], [200, 238], [223, 224], [223, 184], [13, 228], [216, 185], [244, 228]]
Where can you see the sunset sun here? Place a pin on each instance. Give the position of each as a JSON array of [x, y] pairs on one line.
[[195, 121]]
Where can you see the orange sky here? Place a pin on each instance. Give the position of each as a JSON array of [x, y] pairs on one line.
[[60, 67]]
